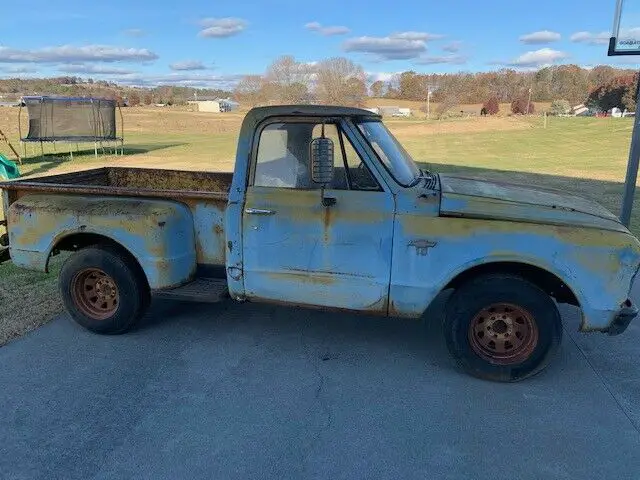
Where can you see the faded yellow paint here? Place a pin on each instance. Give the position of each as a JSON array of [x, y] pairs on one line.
[[427, 227]]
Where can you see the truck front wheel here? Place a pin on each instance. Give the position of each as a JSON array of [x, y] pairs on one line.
[[502, 328], [104, 289]]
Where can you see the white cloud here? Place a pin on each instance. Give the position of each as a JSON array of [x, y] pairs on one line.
[[536, 58], [542, 36], [399, 46], [446, 59], [181, 79], [134, 32], [629, 33], [326, 31], [452, 47], [589, 38], [424, 36], [221, 27], [94, 69], [71, 54], [187, 65], [20, 69], [380, 76]]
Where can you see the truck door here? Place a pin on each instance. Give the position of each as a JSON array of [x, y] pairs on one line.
[[297, 251]]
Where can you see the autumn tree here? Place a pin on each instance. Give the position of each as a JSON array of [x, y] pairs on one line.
[[377, 89], [522, 106], [412, 86], [446, 103], [491, 106], [134, 99], [601, 75], [339, 81], [251, 90], [619, 92], [289, 80]]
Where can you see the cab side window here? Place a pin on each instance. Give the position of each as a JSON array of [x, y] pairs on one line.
[[283, 159], [275, 166], [350, 171]]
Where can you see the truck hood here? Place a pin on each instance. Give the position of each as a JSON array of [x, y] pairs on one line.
[[472, 198]]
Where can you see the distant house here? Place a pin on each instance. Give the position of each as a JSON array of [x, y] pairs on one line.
[[215, 106], [580, 111], [403, 112], [389, 111]]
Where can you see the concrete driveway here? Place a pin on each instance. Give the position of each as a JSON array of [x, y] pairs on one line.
[[258, 392]]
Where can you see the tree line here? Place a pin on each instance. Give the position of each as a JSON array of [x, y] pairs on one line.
[[341, 81], [13, 88]]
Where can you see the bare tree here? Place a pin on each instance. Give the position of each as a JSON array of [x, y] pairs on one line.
[[289, 80], [251, 90], [340, 82], [446, 103], [377, 89]]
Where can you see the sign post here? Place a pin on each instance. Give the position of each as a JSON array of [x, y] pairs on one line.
[[625, 40]]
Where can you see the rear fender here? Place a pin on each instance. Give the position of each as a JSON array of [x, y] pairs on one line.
[[158, 233]]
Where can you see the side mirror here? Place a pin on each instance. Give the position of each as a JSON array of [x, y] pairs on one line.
[[322, 165], [322, 160]]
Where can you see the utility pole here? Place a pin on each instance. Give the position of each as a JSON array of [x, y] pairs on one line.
[[529, 101], [428, 102], [632, 168]]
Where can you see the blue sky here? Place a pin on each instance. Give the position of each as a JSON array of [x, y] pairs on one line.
[[204, 43]]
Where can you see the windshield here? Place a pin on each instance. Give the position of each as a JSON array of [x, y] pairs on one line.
[[394, 157]]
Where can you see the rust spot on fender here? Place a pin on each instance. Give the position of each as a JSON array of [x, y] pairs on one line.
[[326, 222], [301, 276]]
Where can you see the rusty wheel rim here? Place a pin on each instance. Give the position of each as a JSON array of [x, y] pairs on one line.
[[503, 334], [95, 293]]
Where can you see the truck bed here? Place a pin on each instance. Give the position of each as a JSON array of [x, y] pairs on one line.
[[126, 181]]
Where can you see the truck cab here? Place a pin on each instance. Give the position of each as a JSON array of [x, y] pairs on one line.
[[326, 209]]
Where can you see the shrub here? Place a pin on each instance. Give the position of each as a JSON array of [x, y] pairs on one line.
[[519, 106], [491, 106], [560, 107]]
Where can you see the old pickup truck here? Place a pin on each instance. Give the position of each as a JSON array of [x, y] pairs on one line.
[[326, 209]]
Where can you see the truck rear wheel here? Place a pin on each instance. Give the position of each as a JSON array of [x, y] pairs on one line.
[[502, 328], [104, 289]]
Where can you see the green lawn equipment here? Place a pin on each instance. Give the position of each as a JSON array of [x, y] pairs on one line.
[[8, 169]]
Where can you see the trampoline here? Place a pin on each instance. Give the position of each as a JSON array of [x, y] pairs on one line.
[[72, 120]]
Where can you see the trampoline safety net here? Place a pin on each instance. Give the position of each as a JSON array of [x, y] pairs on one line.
[[62, 119]]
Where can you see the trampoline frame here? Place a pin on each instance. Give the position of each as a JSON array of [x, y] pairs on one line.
[[97, 140]]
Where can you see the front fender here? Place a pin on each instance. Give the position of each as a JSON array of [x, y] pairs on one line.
[[597, 265], [158, 233]]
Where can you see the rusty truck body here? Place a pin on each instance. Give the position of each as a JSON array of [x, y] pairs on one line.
[[375, 234]]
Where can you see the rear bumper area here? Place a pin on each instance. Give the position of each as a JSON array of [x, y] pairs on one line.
[[623, 318]]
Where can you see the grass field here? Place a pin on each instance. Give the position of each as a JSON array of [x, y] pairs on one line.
[[586, 156]]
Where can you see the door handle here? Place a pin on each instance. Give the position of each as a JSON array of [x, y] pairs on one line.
[[258, 211]]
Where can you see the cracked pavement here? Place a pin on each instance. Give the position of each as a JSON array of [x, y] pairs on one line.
[[252, 391]]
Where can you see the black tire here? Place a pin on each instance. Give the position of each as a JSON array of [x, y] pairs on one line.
[[114, 264], [463, 327]]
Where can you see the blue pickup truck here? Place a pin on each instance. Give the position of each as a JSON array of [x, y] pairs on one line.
[[326, 209]]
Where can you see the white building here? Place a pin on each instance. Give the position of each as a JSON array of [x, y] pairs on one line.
[[214, 106]]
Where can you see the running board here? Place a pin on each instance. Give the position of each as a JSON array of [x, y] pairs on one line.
[[205, 290]]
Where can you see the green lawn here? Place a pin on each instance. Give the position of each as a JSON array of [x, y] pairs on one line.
[[585, 156]]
